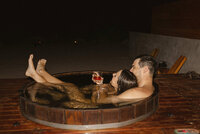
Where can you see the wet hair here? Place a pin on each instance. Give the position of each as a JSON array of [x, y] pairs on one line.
[[149, 61], [126, 81]]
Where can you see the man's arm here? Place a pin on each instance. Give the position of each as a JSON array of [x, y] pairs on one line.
[[129, 95]]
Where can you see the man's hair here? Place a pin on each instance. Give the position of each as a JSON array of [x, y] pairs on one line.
[[149, 61], [126, 81]]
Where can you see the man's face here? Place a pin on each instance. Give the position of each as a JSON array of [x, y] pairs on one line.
[[136, 67]]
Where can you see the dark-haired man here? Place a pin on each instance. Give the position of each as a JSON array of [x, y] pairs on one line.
[[144, 68]]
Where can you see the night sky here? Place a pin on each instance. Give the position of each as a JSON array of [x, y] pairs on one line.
[[24, 18]]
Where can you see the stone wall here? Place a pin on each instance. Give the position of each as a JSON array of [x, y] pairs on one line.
[[171, 48]]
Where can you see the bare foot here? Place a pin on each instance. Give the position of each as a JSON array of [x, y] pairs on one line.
[[31, 69], [41, 65]]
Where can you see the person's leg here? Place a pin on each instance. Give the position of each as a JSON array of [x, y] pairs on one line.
[[42, 72], [31, 72]]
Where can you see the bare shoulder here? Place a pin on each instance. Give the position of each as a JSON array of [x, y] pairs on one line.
[[136, 93]]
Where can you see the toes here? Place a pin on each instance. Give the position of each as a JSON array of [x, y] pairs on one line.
[[31, 55], [43, 61]]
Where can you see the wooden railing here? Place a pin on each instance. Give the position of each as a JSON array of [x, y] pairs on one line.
[[175, 68]]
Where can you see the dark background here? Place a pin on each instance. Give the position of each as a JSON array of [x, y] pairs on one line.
[[67, 19], [101, 29]]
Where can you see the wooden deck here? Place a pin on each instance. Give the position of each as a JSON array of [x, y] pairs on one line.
[[179, 107]]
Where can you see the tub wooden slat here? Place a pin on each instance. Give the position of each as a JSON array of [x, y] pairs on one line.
[[74, 117], [140, 109], [110, 115], [150, 105], [30, 109], [126, 113], [92, 117], [56, 115], [22, 103], [41, 112]]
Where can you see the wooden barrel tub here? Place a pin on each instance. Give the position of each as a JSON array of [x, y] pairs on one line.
[[87, 119]]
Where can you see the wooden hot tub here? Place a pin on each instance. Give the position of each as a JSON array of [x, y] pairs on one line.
[[86, 119]]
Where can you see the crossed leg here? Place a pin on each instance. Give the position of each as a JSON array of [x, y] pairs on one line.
[[42, 72], [31, 72], [40, 75]]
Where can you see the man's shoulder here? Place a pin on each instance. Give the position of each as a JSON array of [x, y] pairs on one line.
[[131, 92], [144, 88], [136, 89], [137, 92]]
